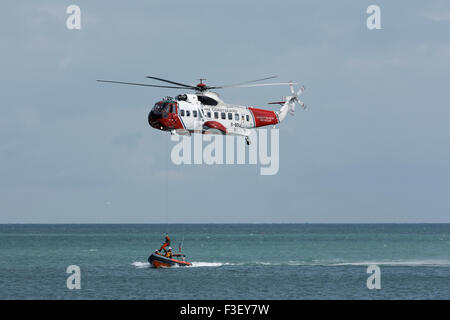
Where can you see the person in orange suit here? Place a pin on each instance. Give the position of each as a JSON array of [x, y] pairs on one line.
[[165, 244]]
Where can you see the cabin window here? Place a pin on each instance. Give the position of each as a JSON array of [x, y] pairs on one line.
[[248, 118], [182, 112], [242, 117], [194, 113], [223, 115], [236, 116], [208, 114], [216, 115], [188, 114], [230, 116]]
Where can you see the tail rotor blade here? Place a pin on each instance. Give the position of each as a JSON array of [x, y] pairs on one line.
[[302, 104], [291, 86], [292, 109], [300, 91]]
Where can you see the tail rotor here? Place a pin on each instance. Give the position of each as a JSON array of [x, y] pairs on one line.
[[292, 100]]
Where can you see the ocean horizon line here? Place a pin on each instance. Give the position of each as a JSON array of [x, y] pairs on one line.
[[225, 223]]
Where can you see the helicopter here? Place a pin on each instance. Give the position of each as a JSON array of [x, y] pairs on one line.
[[204, 112]]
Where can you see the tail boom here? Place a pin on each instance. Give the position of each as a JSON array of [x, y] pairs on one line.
[[264, 117]]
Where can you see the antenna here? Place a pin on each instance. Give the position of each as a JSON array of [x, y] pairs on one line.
[[180, 246]]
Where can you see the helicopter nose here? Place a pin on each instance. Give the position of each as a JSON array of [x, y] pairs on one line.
[[153, 119]]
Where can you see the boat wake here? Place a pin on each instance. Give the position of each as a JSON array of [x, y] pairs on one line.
[[208, 264], [406, 263], [142, 265]]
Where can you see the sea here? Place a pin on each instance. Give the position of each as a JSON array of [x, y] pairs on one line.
[[229, 261]]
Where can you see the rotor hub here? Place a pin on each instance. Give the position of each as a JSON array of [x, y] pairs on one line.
[[201, 86]]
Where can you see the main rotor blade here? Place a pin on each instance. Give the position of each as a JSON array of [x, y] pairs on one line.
[[172, 82], [141, 84], [254, 85], [242, 83]]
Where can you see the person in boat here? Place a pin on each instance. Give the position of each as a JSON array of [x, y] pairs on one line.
[[165, 244], [169, 253]]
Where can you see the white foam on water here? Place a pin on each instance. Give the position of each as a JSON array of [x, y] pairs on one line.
[[208, 264], [285, 263], [406, 263], [141, 265]]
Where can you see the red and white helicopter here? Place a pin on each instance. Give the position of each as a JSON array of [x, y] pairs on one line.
[[205, 112]]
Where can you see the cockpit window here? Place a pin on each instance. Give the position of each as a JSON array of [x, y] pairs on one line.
[[161, 106]]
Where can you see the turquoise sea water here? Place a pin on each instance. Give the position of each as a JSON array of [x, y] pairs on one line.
[[281, 261]]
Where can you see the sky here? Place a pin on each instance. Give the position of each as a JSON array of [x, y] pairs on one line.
[[373, 145]]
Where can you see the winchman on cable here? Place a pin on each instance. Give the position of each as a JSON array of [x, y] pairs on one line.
[[165, 244]]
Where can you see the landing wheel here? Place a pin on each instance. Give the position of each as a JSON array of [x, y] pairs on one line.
[[247, 140]]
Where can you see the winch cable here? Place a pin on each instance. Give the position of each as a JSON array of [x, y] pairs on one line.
[[167, 186]]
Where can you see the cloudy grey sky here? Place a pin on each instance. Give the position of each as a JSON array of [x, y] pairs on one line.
[[373, 146]]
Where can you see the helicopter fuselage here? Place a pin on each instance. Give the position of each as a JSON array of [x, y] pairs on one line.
[[206, 113]]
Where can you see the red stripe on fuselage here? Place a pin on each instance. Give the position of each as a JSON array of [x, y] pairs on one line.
[[264, 117], [178, 123], [215, 125]]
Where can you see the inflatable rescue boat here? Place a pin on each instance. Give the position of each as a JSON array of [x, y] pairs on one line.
[[157, 260]]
